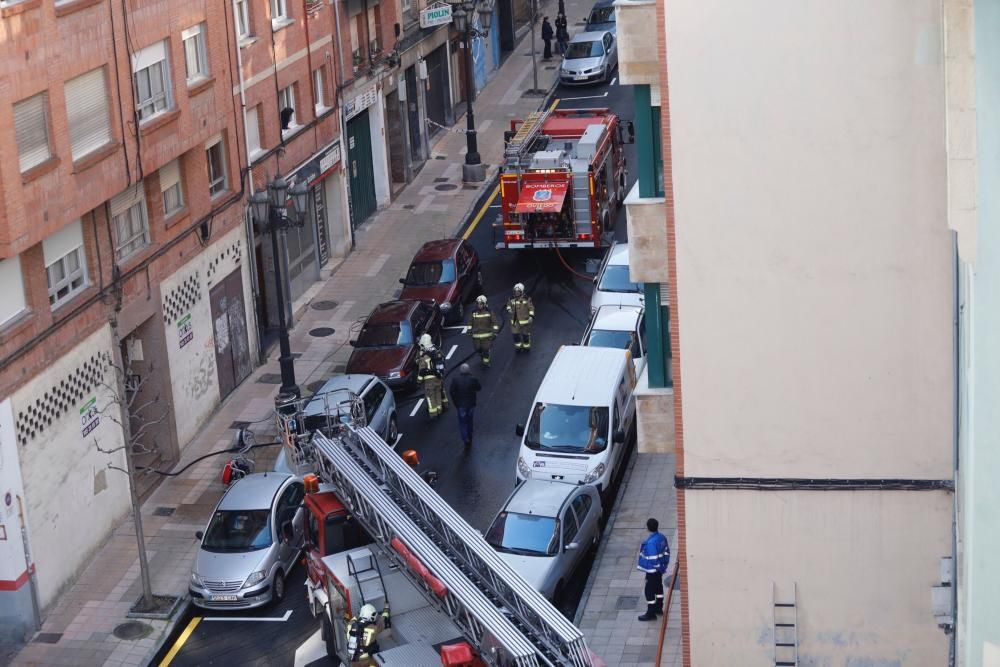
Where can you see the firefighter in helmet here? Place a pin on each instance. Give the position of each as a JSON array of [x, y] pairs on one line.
[[430, 373], [362, 631], [521, 311], [484, 329]]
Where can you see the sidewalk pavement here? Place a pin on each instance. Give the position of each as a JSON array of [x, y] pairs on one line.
[[79, 628], [614, 597]]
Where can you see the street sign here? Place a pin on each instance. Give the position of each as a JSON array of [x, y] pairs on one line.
[[436, 14]]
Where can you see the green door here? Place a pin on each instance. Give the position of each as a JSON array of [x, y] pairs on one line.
[[360, 169]]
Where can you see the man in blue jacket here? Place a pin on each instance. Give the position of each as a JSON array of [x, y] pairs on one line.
[[654, 556]]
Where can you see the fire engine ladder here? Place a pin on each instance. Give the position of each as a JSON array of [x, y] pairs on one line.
[[523, 138], [555, 639], [363, 567]]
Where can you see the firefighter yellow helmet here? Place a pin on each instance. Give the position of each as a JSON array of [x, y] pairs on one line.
[[481, 300], [426, 343], [368, 613], [519, 289]]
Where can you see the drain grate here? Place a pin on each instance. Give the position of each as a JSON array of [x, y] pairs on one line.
[[446, 187], [269, 378], [409, 207], [164, 511], [48, 637], [626, 602], [469, 186], [441, 180], [321, 332], [236, 426], [132, 630], [324, 304], [550, 67], [440, 157]]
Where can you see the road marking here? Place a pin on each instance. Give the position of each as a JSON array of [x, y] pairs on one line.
[[176, 648], [463, 328], [252, 619], [614, 81], [589, 97], [413, 413], [450, 352], [482, 211], [554, 104], [399, 439], [311, 650], [377, 265]]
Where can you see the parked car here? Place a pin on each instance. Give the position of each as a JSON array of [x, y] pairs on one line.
[[622, 328], [387, 343], [581, 420], [589, 58], [613, 285], [602, 17], [331, 403], [242, 561], [544, 529], [445, 272]]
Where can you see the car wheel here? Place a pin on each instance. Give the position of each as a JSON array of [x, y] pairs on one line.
[[278, 587], [392, 432]]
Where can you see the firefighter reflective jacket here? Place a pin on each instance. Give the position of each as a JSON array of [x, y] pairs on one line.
[[521, 309], [484, 324]]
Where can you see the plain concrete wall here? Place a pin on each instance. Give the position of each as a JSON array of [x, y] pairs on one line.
[[813, 255], [864, 564]]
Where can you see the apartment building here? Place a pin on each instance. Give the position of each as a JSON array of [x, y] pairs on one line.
[[801, 244], [124, 266]]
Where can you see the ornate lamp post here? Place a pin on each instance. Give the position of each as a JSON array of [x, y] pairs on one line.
[[271, 211], [473, 170]]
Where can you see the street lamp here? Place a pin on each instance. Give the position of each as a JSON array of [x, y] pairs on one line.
[[271, 211], [473, 170]]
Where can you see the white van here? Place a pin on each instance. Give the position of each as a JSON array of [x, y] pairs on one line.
[[582, 417]]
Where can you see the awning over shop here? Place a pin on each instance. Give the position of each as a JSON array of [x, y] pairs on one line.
[[541, 197]]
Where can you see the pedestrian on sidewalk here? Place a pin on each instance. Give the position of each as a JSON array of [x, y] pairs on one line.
[[654, 556], [463, 394], [562, 34], [484, 329], [547, 35]]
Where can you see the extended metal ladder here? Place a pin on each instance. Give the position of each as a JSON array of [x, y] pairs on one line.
[[390, 498], [525, 135], [363, 567], [786, 631]]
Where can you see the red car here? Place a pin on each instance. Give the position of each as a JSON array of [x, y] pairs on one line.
[[447, 273], [387, 344]]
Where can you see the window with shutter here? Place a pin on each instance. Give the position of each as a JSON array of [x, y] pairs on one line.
[[286, 105], [279, 10], [195, 53], [318, 91], [171, 188], [87, 113], [12, 301], [151, 75], [130, 221], [65, 263], [253, 130], [31, 127], [242, 18], [215, 155]]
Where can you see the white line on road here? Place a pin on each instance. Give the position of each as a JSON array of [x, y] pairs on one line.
[[376, 266], [311, 650], [614, 81], [241, 619], [588, 97], [413, 413], [451, 352], [399, 439]]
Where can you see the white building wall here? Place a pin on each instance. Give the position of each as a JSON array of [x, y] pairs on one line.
[[193, 372], [72, 498]]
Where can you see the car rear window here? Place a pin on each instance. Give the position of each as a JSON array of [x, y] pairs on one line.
[[386, 335], [431, 273]]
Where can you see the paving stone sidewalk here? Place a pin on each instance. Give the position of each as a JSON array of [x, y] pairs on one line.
[[78, 629]]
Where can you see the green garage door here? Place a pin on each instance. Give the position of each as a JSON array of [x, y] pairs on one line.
[[360, 170]]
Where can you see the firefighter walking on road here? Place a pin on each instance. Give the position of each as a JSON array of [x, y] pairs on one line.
[[362, 630], [430, 373], [484, 330], [521, 311]]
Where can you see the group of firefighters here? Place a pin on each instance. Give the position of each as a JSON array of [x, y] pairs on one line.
[[485, 326]]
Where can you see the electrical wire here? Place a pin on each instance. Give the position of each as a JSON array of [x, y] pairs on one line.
[[231, 450]]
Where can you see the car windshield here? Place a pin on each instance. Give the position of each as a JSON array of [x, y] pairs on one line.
[[616, 279], [620, 340], [386, 335], [584, 50], [602, 15], [525, 534], [238, 530], [431, 273], [567, 428], [316, 422]]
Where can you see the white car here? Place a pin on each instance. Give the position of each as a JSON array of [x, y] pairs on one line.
[[620, 327], [613, 284]]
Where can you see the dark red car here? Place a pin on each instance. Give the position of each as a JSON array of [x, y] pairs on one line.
[[447, 273], [387, 343]]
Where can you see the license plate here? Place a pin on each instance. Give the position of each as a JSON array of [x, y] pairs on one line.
[[224, 598], [580, 77]]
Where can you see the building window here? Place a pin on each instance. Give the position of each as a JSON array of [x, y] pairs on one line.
[[87, 113], [286, 102], [65, 263], [195, 54], [12, 301], [407, 7], [31, 127], [152, 80], [253, 130], [215, 155], [171, 187], [130, 221], [242, 19], [319, 91], [279, 11]]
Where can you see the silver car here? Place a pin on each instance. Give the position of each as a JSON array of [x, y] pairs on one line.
[[613, 284], [377, 398], [544, 529], [590, 57], [242, 561]]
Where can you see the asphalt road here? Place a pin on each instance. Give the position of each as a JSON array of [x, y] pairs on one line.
[[477, 481]]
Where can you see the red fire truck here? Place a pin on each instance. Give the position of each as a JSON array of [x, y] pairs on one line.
[[562, 181]]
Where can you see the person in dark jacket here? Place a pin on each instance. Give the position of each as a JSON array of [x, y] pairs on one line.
[[562, 34], [463, 395], [654, 556], [547, 34]]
